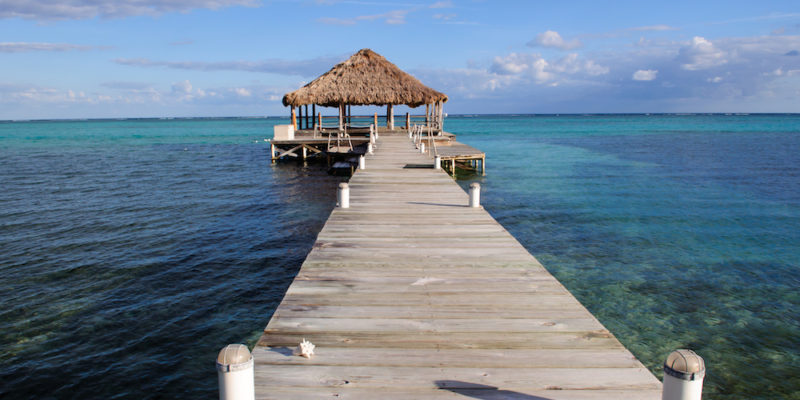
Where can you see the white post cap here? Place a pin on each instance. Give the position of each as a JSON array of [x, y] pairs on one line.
[[234, 357], [685, 364]]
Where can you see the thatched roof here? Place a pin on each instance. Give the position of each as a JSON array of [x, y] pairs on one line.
[[366, 78]]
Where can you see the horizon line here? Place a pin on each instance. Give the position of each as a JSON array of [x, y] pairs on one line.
[[362, 116]]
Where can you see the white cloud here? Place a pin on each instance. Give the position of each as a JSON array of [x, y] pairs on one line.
[[24, 47], [395, 17], [572, 64], [84, 9], [700, 54], [442, 4], [532, 65], [444, 17], [184, 87], [19, 101], [645, 75], [554, 40], [716, 79]]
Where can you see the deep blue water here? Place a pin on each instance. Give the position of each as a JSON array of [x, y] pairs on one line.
[[132, 251]]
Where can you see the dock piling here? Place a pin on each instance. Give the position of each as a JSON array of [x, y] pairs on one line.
[[684, 371], [437, 162], [475, 195], [422, 148], [235, 373], [343, 195], [362, 162]]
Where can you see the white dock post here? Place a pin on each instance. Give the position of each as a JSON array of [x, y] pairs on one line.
[[437, 162], [235, 373], [362, 162], [684, 371], [343, 195], [369, 148], [475, 195], [422, 148]]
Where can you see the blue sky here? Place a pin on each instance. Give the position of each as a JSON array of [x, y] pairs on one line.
[[181, 58]]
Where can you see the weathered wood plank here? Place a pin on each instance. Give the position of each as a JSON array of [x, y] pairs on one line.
[[517, 379], [473, 358], [487, 393]]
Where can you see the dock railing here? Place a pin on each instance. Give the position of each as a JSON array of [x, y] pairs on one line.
[[330, 123]]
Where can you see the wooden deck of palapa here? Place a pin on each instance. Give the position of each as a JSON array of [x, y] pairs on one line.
[[409, 294]]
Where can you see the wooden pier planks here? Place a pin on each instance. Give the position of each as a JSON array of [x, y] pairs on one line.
[[409, 294]]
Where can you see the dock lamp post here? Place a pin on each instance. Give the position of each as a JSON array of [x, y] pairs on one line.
[[474, 194], [235, 373], [684, 371], [343, 195]]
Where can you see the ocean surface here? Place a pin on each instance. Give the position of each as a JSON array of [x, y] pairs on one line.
[[133, 250]]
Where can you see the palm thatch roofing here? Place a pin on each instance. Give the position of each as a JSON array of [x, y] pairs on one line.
[[366, 78]]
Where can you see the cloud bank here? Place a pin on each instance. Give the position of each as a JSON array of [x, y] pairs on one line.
[[306, 68], [85, 9], [26, 47], [645, 75], [747, 74]]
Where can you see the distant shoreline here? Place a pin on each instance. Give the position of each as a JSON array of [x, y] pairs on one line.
[[467, 115]]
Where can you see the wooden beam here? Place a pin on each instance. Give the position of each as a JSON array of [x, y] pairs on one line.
[[341, 116], [290, 152], [294, 118], [299, 117]]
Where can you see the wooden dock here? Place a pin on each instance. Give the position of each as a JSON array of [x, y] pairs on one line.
[[410, 294]]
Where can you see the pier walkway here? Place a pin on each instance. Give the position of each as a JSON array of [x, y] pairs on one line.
[[410, 294]]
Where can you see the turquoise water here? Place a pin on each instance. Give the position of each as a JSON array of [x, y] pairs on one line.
[[675, 231], [134, 250]]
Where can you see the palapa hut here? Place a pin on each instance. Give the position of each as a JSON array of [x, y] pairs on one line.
[[366, 78]]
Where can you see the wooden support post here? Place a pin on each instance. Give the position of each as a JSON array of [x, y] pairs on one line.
[[375, 120], [319, 120], [408, 121], [441, 118], [272, 152], [483, 166], [389, 116], [427, 113], [305, 152], [341, 116], [313, 115], [294, 118], [300, 117]]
